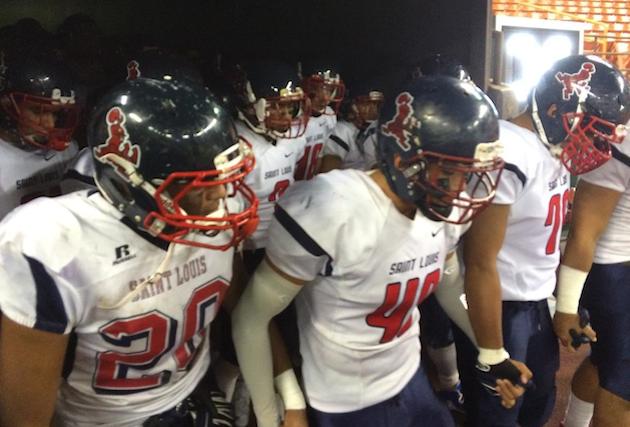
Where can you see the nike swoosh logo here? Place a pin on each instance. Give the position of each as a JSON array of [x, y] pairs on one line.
[[287, 155], [433, 234]]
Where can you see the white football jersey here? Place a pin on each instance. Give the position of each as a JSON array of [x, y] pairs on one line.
[[613, 245], [272, 175], [369, 145], [536, 185], [25, 175], [130, 362], [347, 143], [369, 267], [316, 136], [80, 173]]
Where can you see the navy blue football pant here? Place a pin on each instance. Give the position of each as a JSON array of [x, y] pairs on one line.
[[436, 331], [607, 297], [415, 406], [528, 336]]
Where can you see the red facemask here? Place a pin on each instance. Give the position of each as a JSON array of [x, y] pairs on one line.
[[587, 145], [237, 223], [31, 113]]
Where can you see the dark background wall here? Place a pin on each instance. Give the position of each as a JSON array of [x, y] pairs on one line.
[[382, 36]]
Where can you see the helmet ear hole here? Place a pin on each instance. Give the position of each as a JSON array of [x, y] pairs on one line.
[[552, 111]]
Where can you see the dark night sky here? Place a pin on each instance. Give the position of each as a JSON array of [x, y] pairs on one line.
[[378, 36]]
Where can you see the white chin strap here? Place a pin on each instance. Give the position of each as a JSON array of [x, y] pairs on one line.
[[155, 277]]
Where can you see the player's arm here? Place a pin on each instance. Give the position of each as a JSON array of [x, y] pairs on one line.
[[592, 207], [284, 376], [449, 293], [330, 162], [31, 363], [482, 244], [268, 292]]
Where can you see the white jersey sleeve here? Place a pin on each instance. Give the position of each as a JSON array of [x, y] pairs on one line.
[[517, 168], [301, 214], [613, 245]]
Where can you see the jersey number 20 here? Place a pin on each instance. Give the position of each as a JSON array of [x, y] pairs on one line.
[[150, 336]]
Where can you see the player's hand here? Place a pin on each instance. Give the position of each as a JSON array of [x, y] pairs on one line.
[[573, 330], [507, 380], [295, 418]]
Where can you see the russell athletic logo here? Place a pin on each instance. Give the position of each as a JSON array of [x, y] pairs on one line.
[[573, 83], [403, 126]]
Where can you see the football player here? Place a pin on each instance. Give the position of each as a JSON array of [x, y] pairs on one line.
[[360, 251], [272, 119], [436, 331], [594, 274], [511, 251], [325, 90], [352, 142], [38, 115], [117, 287]]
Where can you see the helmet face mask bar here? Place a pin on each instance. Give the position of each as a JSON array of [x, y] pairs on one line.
[[475, 184], [588, 142], [172, 223]]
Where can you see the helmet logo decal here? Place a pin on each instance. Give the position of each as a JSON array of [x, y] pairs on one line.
[[573, 83], [117, 142], [133, 70], [403, 125]]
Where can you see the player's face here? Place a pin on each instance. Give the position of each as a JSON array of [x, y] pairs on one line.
[[321, 97], [38, 117], [368, 110], [446, 179], [280, 115], [200, 201]]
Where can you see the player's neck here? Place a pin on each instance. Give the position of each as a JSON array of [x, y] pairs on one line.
[[524, 121], [404, 207]]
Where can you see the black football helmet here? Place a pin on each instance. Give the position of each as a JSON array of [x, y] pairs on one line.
[[149, 135], [442, 64], [448, 122], [37, 96], [324, 82], [579, 107], [273, 103], [160, 65], [363, 102]]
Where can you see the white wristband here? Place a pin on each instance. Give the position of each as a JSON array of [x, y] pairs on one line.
[[287, 385], [492, 356], [570, 284]]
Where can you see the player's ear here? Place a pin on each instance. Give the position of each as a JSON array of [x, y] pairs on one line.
[[552, 110]]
